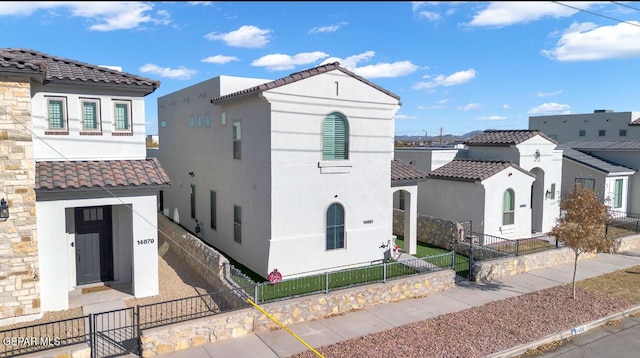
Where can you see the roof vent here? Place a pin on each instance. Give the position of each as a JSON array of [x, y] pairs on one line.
[[603, 111]]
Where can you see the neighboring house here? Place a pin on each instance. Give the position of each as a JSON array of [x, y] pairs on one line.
[[535, 205], [494, 195], [600, 125], [625, 195], [605, 153], [82, 195], [294, 174]]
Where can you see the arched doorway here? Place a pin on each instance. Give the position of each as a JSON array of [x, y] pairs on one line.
[[537, 200]]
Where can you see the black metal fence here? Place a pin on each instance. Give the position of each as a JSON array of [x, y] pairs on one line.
[[189, 308], [44, 336], [622, 224]]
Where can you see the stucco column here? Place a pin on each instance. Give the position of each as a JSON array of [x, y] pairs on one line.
[[411, 220]]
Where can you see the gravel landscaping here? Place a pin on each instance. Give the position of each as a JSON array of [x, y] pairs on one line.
[[500, 325]]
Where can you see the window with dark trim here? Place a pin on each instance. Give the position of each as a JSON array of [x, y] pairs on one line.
[[237, 224], [586, 183], [213, 214], [193, 201], [57, 113], [335, 227], [237, 140]]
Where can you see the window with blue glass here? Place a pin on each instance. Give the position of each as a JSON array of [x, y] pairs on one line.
[[335, 227]]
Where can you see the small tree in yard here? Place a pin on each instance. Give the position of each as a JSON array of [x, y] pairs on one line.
[[581, 225]]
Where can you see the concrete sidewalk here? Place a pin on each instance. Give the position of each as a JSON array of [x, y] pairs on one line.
[[280, 343]]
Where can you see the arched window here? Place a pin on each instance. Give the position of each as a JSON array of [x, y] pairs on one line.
[[508, 205], [335, 227], [335, 137]]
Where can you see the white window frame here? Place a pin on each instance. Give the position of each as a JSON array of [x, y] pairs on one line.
[[98, 127], [509, 214], [64, 125], [129, 128]]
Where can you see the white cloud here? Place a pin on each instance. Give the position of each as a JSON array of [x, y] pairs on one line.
[[248, 36], [105, 16], [551, 108], [506, 106], [379, 70], [180, 73], [548, 94], [458, 78], [403, 116], [491, 118], [327, 29], [500, 14], [586, 42], [203, 3], [429, 15], [219, 59], [278, 62], [470, 107]]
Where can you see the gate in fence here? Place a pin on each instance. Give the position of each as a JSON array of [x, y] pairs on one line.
[[114, 333]]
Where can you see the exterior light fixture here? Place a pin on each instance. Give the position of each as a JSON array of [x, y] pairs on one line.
[[4, 209], [548, 194]]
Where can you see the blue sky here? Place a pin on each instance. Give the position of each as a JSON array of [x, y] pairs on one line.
[[457, 66]]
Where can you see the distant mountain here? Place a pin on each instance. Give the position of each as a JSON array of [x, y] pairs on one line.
[[446, 138]]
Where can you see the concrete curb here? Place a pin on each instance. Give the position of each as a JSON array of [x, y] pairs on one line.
[[521, 349]]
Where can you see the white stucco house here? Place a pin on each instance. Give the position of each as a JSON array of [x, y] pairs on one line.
[[468, 184], [82, 194], [294, 174]]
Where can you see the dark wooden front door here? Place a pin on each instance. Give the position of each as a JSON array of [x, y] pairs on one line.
[[94, 245]]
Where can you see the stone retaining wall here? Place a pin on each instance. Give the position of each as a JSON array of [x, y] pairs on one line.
[[430, 230], [486, 271], [238, 323], [626, 243]]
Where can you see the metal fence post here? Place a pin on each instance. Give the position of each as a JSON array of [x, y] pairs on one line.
[[453, 260], [517, 244], [470, 262], [326, 282], [255, 292], [92, 342], [384, 271]]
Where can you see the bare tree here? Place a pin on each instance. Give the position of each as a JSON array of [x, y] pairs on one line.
[[581, 225]]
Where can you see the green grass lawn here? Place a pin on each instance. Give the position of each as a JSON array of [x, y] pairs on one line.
[[425, 250]]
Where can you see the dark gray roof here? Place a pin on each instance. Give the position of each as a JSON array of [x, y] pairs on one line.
[[592, 161], [603, 145], [635, 123], [403, 173], [294, 77], [53, 69], [505, 137], [473, 170]]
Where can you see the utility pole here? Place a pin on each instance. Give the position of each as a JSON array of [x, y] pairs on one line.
[[441, 136]]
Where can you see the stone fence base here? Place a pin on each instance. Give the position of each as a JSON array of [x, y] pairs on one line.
[[627, 243], [245, 321]]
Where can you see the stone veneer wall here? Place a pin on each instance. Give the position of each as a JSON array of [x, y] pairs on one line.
[[626, 243], [19, 288], [245, 321], [430, 230], [486, 271], [203, 259]]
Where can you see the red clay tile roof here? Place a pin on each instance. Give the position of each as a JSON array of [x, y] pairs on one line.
[[473, 170], [100, 173], [635, 123], [402, 171], [294, 77], [505, 137], [60, 69]]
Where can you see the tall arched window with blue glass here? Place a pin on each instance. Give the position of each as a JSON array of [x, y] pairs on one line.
[[335, 137], [335, 227]]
